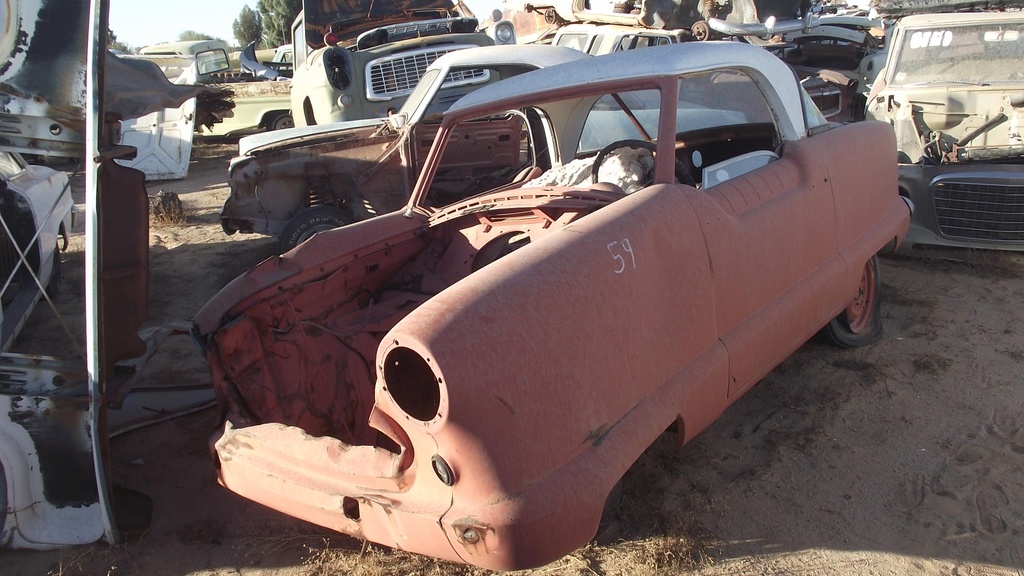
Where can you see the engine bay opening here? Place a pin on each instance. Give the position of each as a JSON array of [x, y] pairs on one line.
[[501, 246], [412, 384]]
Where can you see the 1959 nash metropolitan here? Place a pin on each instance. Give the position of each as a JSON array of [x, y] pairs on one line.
[[470, 376]]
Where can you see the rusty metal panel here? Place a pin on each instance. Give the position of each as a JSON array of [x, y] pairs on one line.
[[38, 104], [319, 15], [46, 455]]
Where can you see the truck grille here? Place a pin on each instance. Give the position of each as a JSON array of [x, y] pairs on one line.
[[396, 76], [980, 211]]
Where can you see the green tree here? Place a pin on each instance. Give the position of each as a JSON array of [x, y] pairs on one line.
[[277, 19], [248, 27], [114, 44], [193, 35]]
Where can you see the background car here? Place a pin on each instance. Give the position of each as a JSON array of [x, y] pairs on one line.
[[355, 61], [952, 91], [470, 377], [295, 183], [37, 210]]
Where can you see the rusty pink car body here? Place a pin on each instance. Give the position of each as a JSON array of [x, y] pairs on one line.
[[469, 378]]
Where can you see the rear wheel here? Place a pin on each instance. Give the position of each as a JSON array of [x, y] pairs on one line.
[[861, 323], [309, 222], [281, 122]]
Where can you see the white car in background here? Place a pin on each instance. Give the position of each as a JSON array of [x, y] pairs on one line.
[[36, 210]]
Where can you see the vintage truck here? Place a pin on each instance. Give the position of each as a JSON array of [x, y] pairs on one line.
[[258, 104], [353, 61], [953, 91]]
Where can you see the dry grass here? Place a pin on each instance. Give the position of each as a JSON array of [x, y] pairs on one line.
[[165, 208], [654, 556], [94, 560], [372, 560]]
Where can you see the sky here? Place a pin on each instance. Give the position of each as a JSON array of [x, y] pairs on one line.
[[140, 23]]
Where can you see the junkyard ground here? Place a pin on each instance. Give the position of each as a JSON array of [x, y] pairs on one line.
[[906, 457]]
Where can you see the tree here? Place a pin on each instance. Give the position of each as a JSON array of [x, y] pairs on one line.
[[193, 35], [114, 44], [248, 27], [277, 19]]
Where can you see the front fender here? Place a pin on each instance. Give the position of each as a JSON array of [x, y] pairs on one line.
[[558, 365]]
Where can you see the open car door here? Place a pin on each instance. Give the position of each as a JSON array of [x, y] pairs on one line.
[[57, 414]]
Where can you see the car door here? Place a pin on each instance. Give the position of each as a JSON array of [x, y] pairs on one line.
[[770, 231]]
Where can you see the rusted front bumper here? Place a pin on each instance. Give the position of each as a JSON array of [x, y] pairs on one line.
[[357, 490], [362, 491]]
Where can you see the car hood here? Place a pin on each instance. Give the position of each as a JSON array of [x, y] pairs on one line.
[[291, 137], [354, 14]]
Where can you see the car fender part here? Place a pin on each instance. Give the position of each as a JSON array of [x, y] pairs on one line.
[[49, 487]]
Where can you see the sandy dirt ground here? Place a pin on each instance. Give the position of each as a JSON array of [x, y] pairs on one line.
[[905, 457]]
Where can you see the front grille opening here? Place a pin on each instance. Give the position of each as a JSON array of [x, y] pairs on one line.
[[395, 76], [390, 78], [412, 384], [350, 506], [980, 211]]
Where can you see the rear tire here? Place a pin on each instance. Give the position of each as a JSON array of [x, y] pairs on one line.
[[281, 122], [861, 323], [309, 222]]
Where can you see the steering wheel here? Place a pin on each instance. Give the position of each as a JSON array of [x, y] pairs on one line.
[[682, 173]]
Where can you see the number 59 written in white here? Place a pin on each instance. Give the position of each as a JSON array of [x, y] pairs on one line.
[[619, 249]]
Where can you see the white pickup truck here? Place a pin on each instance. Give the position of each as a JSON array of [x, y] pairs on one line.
[[259, 104]]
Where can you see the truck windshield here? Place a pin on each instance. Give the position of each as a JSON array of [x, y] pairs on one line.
[[977, 53]]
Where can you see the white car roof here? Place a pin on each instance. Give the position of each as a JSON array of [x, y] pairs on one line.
[[957, 18], [776, 79]]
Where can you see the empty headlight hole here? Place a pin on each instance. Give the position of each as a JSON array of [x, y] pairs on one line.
[[412, 384]]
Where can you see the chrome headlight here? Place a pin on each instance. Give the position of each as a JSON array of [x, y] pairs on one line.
[[503, 32]]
